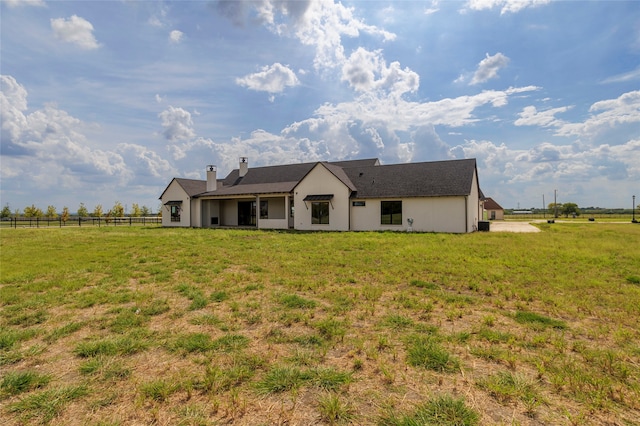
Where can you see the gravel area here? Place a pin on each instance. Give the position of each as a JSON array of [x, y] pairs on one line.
[[501, 226]]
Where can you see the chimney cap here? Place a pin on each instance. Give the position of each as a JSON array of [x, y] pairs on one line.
[[244, 159], [211, 167]]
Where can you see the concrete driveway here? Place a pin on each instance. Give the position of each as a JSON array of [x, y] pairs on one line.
[[502, 226]]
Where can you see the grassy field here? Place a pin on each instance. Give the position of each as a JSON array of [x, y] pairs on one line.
[[119, 326]]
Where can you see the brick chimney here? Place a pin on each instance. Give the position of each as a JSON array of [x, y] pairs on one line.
[[244, 166]]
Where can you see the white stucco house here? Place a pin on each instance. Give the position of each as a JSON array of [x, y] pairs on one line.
[[358, 195]]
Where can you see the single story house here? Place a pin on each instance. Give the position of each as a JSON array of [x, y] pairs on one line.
[[493, 209], [357, 195]]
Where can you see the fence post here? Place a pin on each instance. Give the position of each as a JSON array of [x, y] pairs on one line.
[[129, 220]]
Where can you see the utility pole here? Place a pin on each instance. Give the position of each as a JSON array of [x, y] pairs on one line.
[[555, 203], [544, 208], [633, 210]]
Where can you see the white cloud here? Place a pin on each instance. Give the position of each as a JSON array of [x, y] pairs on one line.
[[13, 101], [324, 25], [75, 30], [433, 8], [180, 150], [176, 36], [530, 116], [507, 6], [320, 24], [177, 124], [605, 115], [49, 146], [392, 128], [525, 175], [488, 68], [625, 77], [145, 163], [367, 71], [271, 79], [158, 20]]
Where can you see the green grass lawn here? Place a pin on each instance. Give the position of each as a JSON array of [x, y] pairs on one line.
[[114, 326]]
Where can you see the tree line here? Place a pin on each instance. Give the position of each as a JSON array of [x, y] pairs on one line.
[[51, 212]]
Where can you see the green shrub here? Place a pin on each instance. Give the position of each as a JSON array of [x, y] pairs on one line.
[[16, 382], [120, 345], [46, 405], [281, 379], [505, 386], [158, 390], [426, 352], [219, 296], [397, 322], [193, 342], [439, 411], [63, 331], [424, 284], [331, 329], [526, 317], [329, 378], [333, 410], [230, 342], [295, 301]]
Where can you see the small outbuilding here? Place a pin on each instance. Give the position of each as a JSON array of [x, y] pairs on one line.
[[493, 210]]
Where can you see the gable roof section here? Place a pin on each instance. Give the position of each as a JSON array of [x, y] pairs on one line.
[[340, 174], [190, 186], [490, 204], [278, 179], [429, 179]]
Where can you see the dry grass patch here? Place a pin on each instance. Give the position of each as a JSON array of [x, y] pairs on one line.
[[184, 326]]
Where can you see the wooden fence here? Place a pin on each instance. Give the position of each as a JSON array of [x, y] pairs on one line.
[[43, 222]]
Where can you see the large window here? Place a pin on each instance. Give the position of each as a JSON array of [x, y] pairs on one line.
[[391, 213], [175, 213], [320, 213], [264, 209]]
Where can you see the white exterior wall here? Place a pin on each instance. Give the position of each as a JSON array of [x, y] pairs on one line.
[[229, 213], [277, 208], [429, 214], [321, 181], [209, 209], [474, 207], [196, 213], [175, 193]]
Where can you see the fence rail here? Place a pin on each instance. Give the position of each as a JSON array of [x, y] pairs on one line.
[[43, 222], [583, 216]]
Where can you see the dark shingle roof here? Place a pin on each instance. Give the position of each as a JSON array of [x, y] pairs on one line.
[[430, 179], [278, 179], [366, 178], [191, 186], [490, 204]]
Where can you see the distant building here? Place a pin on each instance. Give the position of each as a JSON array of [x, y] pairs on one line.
[[493, 209], [358, 195]]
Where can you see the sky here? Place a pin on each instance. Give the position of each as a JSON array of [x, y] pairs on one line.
[[107, 101]]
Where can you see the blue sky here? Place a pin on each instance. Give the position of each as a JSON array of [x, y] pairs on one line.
[[106, 101]]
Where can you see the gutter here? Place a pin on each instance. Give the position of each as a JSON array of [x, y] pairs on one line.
[[466, 214]]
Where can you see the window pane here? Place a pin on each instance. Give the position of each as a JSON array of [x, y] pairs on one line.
[[264, 210], [175, 213], [320, 213], [391, 213]]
